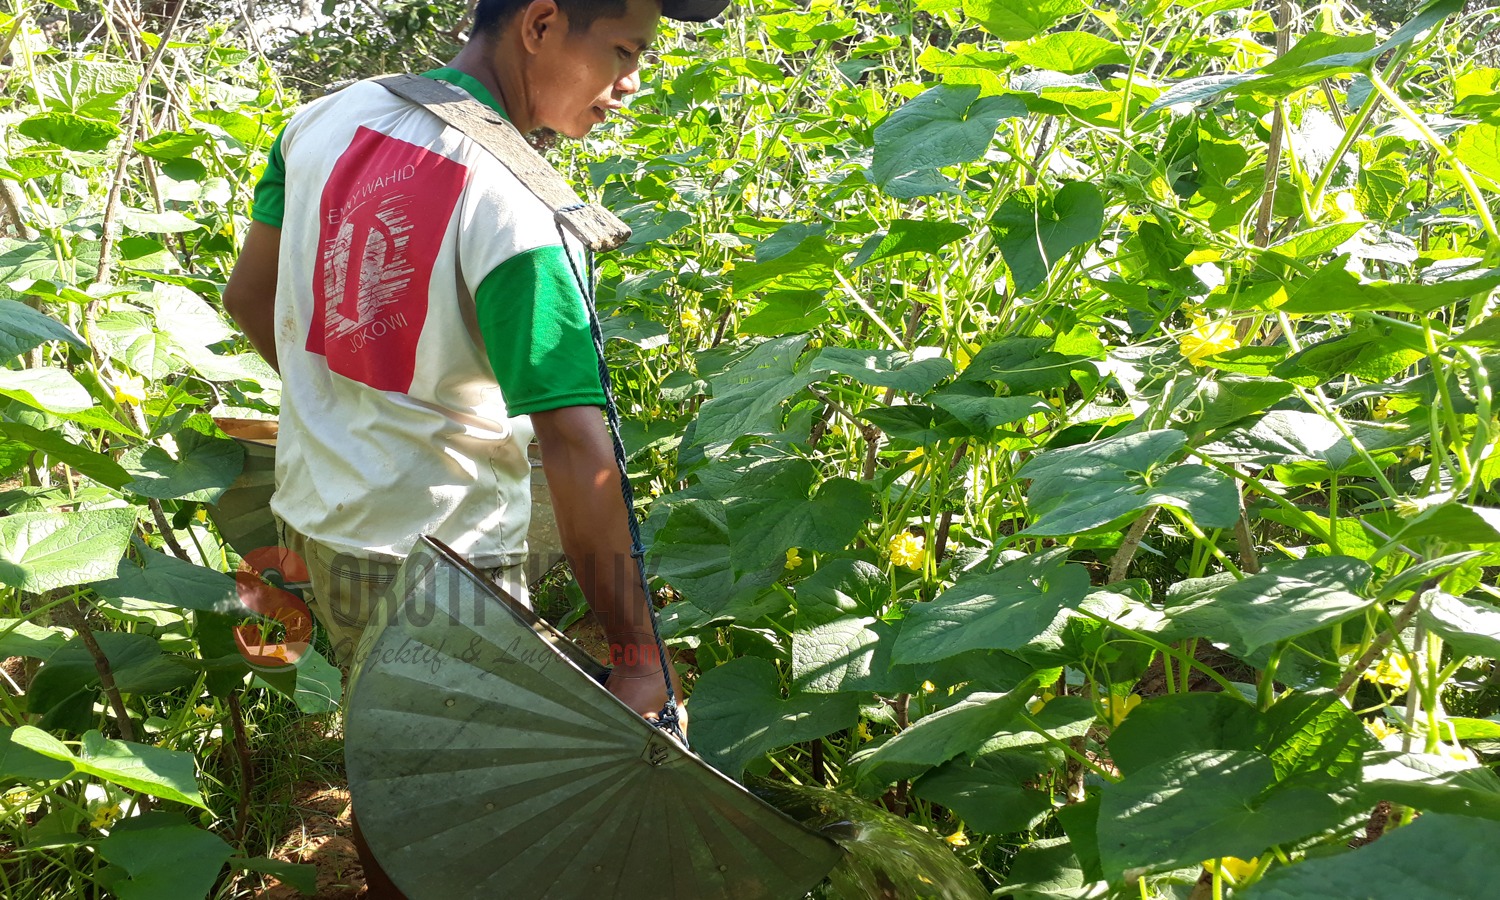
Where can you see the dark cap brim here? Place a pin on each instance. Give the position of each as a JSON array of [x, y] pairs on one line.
[[693, 10]]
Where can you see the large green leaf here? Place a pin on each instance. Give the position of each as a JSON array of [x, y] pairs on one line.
[[1102, 484], [21, 763], [197, 467], [1288, 435], [841, 587], [161, 578], [47, 389], [940, 736], [943, 126], [1001, 610], [1431, 783], [990, 794], [849, 654], [1334, 289], [71, 668], [1437, 857], [1018, 20], [1035, 231], [131, 338], [69, 130], [1023, 365], [168, 774], [980, 411], [22, 328], [748, 396], [1281, 603], [1070, 52], [738, 714], [773, 508], [95, 465], [164, 857], [1469, 626], [926, 236], [691, 551], [786, 312], [42, 551], [1478, 148], [1189, 722], [1200, 805], [913, 373]]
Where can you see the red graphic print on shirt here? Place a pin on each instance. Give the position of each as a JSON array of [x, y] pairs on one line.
[[384, 211]]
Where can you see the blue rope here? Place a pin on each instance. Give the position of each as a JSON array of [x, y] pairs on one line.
[[667, 718]]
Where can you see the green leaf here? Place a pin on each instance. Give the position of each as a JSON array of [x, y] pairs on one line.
[[990, 794], [168, 222], [1334, 289], [22, 328], [691, 552], [1001, 610], [914, 373], [1182, 723], [1372, 354], [47, 389], [1281, 603], [1070, 52], [1437, 857], [19, 637], [943, 126], [773, 509], [840, 587], [1034, 231], [747, 398], [786, 312], [738, 714], [1469, 626], [43, 551], [95, 465], [1456, 522], [132, 659], [1485, 334], [1019, 20], [314, 684], [303, 877], [168, 145], [166, 858], [202, 467], [1252, 360], [849, 654], [1478, 148], [1200, 805], [1286, 435], [130, 337], [1045, 869], [909, 236], [940, 736], [166, 579], [69, 130], [980, 411], [1100, 485], [916, 423], [21, 763], [1431, 783], [168, 774], [1023, 365]]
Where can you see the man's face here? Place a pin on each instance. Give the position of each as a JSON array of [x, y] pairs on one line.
[[580, 76]]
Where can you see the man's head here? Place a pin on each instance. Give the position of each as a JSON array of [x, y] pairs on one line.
[[580, 58]]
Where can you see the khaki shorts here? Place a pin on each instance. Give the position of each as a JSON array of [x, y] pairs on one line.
[[349, 591]]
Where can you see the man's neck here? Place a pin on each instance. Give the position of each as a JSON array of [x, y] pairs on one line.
[[500, 72]]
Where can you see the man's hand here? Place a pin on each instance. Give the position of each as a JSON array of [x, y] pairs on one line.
[[641, 688], [579, 460]]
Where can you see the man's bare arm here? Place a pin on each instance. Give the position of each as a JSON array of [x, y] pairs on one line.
[[578, 458], [250, 296]]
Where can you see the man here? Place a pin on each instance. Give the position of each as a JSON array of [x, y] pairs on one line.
[[421, 308]]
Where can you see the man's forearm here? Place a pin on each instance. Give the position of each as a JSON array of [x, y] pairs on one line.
[[579, 462], [250, 295]]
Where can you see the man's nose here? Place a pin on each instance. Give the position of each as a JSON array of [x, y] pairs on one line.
[[629, 83]]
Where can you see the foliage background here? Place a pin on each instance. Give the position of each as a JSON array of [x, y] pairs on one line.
[[1071, 428]]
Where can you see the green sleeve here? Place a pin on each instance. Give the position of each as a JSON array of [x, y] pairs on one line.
[[269, 205], [536, 333]]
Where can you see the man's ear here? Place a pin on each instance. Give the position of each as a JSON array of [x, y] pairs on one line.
[[540, 20]]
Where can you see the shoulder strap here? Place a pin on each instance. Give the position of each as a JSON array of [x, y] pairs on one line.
[[598, 228]]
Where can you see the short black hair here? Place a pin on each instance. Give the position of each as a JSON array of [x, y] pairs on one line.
[[490, 16]]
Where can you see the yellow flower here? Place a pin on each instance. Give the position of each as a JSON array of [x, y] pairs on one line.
[[204, 712], [1392, 669], [690, 319], [965, 352], [1381, 729], [1036, 705], [130, 390], [907, 549], [105, 815], [1206, 340], [815, 344], [1462, 754], [957, 839], [864, 732], [1117, 708], [200, 514], [793, 558], [928, 687], [1232, 867], [1382, 408]]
